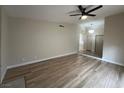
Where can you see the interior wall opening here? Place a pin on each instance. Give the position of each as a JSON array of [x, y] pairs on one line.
[[91, 39]]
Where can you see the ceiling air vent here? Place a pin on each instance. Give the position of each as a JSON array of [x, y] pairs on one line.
[[61, 26]]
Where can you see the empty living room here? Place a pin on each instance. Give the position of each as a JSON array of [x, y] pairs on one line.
[[62, 46]]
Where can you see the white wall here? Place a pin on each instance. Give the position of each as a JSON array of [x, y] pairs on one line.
[[4, 41], [113, 40], [31, 40]]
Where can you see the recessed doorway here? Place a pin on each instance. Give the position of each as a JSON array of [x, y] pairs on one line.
[[91, 40]]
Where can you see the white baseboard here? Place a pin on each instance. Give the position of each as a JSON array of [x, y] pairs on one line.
[[35, 61], [91, 56], [3, 75], [113, 62], [103, 59]]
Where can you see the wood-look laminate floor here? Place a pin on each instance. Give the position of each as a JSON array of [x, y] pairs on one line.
[[74, 71]]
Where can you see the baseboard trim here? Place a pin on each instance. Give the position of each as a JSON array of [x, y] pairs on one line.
[[91, 56], [36, 61], [103, 59], [3, 75], [109, 61]]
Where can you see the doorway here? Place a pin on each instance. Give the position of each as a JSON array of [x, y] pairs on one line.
[[92, 44]]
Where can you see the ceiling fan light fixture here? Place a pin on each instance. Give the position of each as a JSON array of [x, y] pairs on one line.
[[91, 31], [83, 17]]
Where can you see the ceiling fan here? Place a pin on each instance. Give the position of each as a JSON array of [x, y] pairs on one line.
[[84, 14]]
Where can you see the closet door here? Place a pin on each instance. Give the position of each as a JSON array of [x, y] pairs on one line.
[[99, 45]]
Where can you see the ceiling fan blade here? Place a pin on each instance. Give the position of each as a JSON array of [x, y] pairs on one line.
[[75, 14], [80, 8], [94, 9], [90, 15]]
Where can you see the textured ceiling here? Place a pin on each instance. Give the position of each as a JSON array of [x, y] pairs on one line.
[[59, 13]]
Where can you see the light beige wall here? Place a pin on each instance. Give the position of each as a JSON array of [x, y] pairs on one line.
[[113, 40], [31, 40], [4, 42]]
